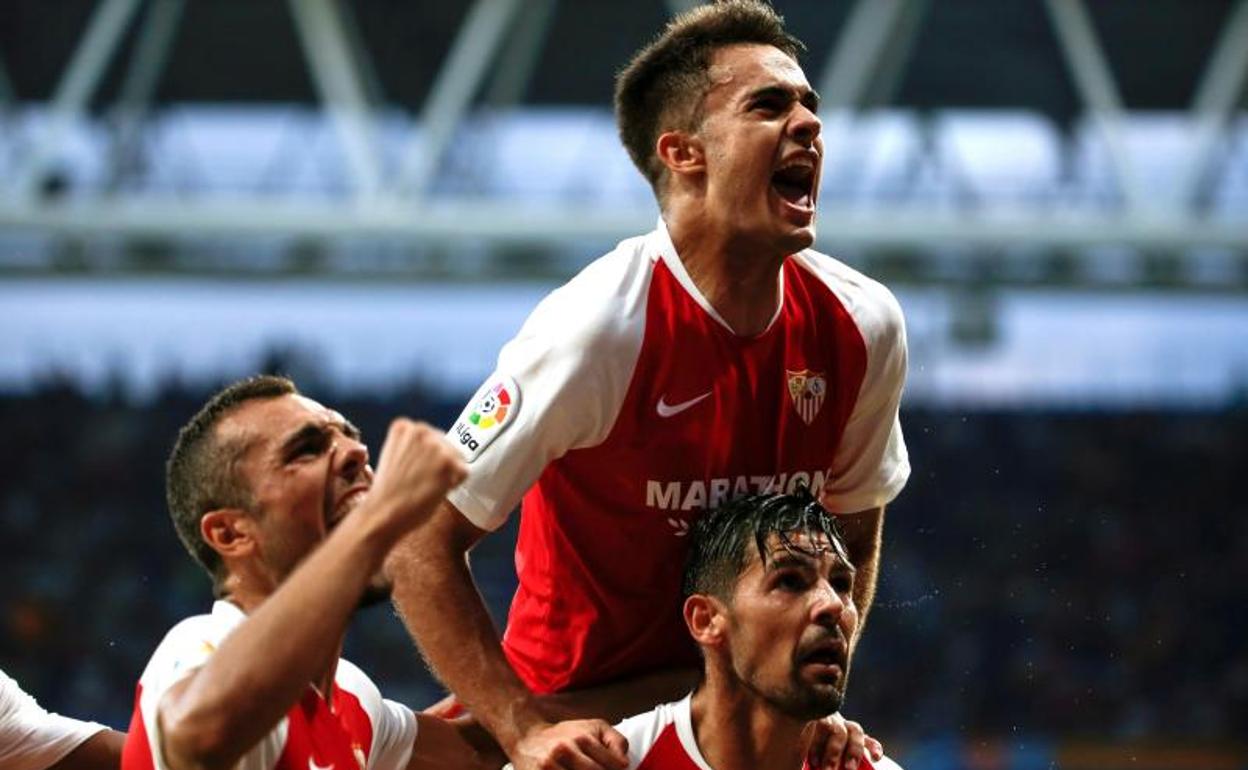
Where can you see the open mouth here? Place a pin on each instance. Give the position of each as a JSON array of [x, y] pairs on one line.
[[795, 183], [827, 654], [346, 504]]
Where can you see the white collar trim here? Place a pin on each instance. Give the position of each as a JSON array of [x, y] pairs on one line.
[[683, 719], [666, 251]]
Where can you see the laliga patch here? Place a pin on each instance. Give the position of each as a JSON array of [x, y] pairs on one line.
[[491, 410]]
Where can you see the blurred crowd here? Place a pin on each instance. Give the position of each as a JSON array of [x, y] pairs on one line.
[[1077, 573]]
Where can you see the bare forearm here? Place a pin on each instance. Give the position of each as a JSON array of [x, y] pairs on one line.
[[625, 698], [101, 751], [863, 535], [240, 693], [443, 611], [453, 745]]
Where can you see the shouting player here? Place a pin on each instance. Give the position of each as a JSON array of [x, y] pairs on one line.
[[716, 356], [273, 495]]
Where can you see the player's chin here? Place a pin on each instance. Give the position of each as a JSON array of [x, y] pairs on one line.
[[814, 701]]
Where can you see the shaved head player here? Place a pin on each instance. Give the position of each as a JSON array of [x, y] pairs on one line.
[[273, 494]]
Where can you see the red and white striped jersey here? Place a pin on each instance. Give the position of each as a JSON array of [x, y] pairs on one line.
[[626, 406], [360, 731], [663, 739]]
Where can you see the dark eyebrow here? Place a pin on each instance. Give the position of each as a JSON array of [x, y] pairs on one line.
[[808, 96], [350, 431], [306, 432], [786, 559], [318, 430]]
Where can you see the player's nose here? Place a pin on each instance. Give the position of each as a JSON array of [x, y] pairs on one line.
[[351, 457], [805, 125], [828, 605]]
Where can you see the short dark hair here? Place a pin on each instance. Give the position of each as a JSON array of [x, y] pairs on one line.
[[200, 475], [665, 83], [718, 554]]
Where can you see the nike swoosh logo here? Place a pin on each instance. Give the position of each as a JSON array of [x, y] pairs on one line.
[[667, 410], [313, 766]]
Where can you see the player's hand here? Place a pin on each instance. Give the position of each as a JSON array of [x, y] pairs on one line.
[[447, 708], [583, 744], [418, 466], [836, 742]]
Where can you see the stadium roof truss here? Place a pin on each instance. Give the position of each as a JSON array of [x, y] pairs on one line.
[[390, 186]]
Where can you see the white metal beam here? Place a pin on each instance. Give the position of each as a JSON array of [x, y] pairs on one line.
[[857, 52], [82, 76], [1220, 90], [1095, 83], [851, 65], [341, 88], [491, 221], [145, 68], [7, 94], [459, 79], [514, 69], [891, 64]]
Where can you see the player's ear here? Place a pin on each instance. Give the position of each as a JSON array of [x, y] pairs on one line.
[[705, 616], [681, 152], [228, 531]]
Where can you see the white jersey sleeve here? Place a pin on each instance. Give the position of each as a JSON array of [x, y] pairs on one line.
[[394, 725], [32, 738], [563, 378], [187, 647], [871, 465]]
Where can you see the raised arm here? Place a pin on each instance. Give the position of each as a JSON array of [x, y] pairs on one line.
[[212, 717], [864, 532], [439, 602]]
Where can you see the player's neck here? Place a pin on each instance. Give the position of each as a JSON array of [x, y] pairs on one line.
[[735, 731], [741, 280]]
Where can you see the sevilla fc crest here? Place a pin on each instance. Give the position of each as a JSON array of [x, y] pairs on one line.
[[807, 390]]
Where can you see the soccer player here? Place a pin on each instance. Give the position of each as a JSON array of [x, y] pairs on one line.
[[768, 600], [272, 493], [715, 356], [34, 739]]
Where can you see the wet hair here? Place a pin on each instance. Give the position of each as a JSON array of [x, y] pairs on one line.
[[201, 476], [720, 539], [665, 83]]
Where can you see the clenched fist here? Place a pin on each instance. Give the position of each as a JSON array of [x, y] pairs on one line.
[[416, 470]]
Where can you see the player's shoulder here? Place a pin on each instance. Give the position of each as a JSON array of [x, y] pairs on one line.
[[871, 304], [194, 639], [351, 678], [846, 280], [666, 729], [644, 728], [602, 300], [12, 697]]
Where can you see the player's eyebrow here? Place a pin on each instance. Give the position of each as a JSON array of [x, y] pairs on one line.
[[314, 430], [349, 430], [783, 558], [309, 431], [806, 95]]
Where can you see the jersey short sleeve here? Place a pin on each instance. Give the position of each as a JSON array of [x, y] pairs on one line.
[[32, 738], [187, 647], [563, 377], [871, 465], [394, 725]]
